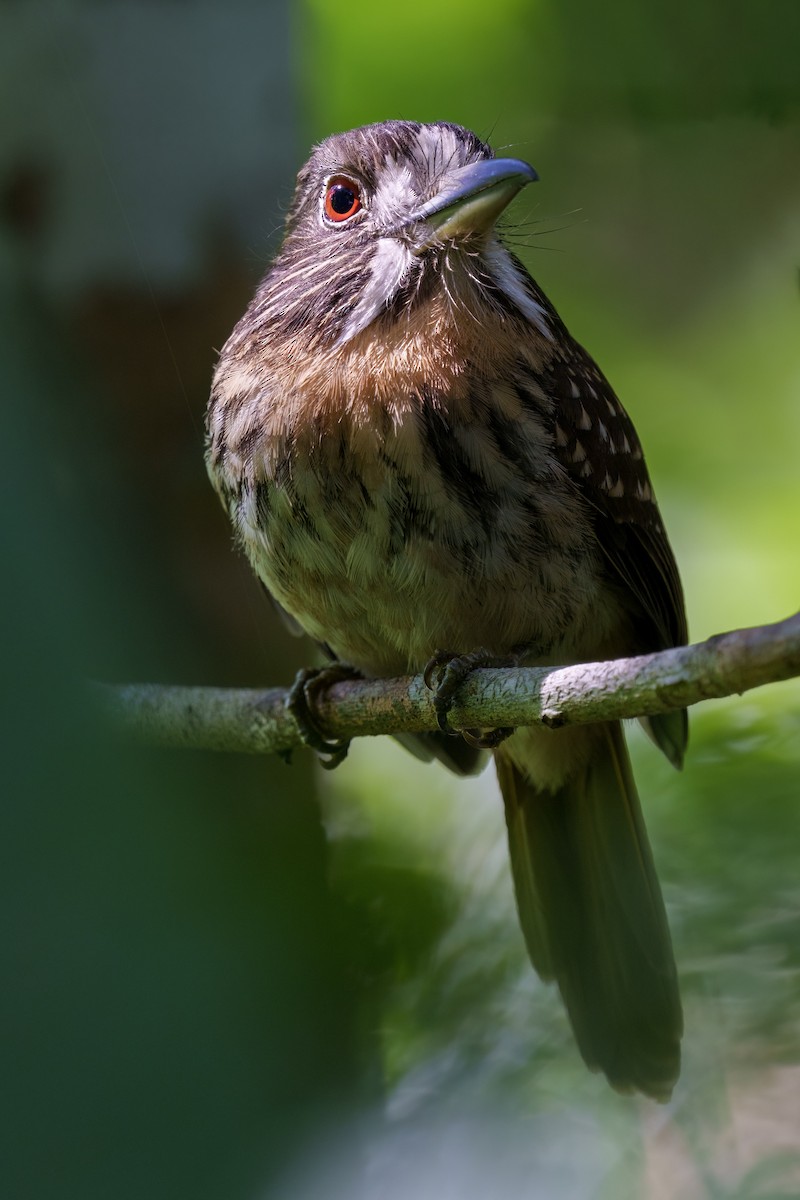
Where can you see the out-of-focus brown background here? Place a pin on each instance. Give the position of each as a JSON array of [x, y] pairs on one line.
[[223, 978]]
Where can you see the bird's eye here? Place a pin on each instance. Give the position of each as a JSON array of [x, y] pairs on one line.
[[342, 199]]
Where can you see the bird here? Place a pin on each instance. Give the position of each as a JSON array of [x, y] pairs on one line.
[[427, 473]]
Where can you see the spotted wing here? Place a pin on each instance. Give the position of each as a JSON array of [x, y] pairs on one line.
[[598, 446]]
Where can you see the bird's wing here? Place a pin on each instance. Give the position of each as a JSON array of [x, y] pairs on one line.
[[597, 445]]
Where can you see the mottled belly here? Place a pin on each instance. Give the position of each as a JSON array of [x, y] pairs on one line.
[[387, 566]]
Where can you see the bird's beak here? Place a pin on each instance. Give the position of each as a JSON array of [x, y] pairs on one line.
[[471, 199]]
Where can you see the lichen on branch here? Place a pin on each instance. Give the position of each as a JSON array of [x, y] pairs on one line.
[[257, 722]]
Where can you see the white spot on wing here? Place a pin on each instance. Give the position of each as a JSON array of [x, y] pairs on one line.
[[584, 421]]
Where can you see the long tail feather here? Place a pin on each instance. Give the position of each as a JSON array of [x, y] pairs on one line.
[[593, 917]]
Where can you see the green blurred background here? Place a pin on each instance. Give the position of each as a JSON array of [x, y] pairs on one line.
[[225, 978]]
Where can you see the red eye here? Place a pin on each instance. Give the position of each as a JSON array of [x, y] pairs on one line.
[[342, 198]]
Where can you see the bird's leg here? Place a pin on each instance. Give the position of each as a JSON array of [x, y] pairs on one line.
[[444, 674], [301, 702]]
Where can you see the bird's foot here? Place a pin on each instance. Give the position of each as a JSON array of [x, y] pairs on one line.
[[444, 674], [301, 702]]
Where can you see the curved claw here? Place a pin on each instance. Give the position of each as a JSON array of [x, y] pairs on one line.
[[453, 670], [488, 740], [437, 662], [301, 702]]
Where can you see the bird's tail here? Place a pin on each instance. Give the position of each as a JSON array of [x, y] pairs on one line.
[[592, 913]]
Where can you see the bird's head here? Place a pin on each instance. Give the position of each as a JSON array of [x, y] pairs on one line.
[[386, 215]]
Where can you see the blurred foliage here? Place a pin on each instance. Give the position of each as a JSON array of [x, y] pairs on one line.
[[668, 60], [224, 980], [175, 1013]]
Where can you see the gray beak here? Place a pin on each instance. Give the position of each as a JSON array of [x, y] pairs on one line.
[[471, 199]]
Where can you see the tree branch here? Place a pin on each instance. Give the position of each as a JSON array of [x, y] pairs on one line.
[[256, 722]]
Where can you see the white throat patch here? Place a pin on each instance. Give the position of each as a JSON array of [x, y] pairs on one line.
[[391, 262], [502, 270]]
